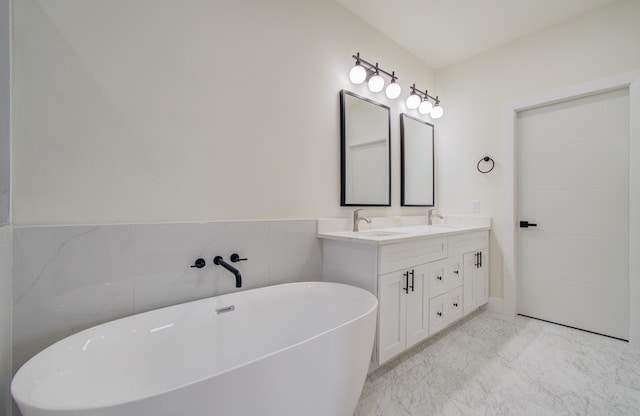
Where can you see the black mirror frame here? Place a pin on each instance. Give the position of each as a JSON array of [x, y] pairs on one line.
[[402, 162], [343, 144]]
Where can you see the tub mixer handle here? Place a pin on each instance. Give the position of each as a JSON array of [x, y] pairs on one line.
[[200, 263], [235, 257]]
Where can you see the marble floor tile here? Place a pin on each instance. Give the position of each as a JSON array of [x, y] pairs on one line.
[[490, 364]]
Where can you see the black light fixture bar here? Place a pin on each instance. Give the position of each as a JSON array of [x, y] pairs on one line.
[[424, 94], [373, 68]]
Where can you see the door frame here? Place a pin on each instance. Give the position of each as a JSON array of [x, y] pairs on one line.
[[629, 80]]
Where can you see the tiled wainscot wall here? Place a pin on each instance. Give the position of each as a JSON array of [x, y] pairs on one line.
[[68, 278], [5, 318]]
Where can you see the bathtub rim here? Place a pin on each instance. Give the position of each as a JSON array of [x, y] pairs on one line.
[[58, 408]]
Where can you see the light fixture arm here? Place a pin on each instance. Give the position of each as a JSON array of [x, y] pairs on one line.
[[425, 95], [371, 67]]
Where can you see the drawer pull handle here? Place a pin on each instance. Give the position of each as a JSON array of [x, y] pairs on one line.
[[406, 287], [456, 271], [412, 280], [439, 313], [455, 305], [438, 277]]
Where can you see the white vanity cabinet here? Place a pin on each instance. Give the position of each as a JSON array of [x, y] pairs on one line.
[[403, 315], [422, 284], [445, 304], [476, 280], [474, 249]]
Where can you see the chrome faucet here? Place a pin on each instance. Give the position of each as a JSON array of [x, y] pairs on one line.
[[357, 218], [430, 216]]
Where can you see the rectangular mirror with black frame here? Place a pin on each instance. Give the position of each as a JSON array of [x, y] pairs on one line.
[[365, 135], [416, 162]]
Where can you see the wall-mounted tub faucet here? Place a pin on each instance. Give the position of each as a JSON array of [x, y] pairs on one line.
[[357, 218], [219, 261]]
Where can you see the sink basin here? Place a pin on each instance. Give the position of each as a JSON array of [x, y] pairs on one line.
[[450, 226], [375, 233]]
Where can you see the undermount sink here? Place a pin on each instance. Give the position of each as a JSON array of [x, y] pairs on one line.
[[375, 233], [449, 226]]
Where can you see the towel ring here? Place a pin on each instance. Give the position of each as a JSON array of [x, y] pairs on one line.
[[486, 159]]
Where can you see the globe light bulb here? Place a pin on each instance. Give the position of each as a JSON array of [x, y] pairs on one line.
[[376, 83], [393, 90], [413, 101], [425, 107], [358, 74], [436, 112]]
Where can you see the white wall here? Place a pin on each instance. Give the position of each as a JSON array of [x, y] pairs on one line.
[[6, 252], [5, 103], [596, 45], [147, 110]]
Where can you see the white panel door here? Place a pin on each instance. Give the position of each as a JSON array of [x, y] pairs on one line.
[[573, 178]]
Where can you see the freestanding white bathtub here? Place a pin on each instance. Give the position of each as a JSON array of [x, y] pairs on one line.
[[299, 349]]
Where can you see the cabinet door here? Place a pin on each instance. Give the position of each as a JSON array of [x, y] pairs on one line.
[[481, 278], [470, 264], [417, 305], [476, 280], [392, 312]]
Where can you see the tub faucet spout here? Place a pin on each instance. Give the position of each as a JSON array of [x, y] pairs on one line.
[[218, 260]]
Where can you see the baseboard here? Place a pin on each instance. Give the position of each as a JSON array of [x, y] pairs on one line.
[[495, 305]]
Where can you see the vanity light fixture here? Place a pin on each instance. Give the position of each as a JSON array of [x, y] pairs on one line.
[[426, 105], [423, 102], [376, 82], [358, 74], [364, 70], [436, 111], [414, 100], [393, 89]]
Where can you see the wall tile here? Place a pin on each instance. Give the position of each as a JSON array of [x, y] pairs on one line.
[[294, 252], [5, 319], [163, 256], [68, 278]]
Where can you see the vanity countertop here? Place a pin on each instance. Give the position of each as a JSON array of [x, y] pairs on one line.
[[393, 235]]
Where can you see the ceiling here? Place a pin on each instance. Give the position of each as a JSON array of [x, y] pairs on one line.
[[443, 32]]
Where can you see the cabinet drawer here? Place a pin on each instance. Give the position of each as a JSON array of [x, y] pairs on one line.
[[445, 309], [445, 275], [463, 243], [406, 255]]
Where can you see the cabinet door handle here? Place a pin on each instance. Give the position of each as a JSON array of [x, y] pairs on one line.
[[412, 280], [477, 260], [406, 287], [480, 254], [439, 278], [439, 313], [455, 305], [456, 271]]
